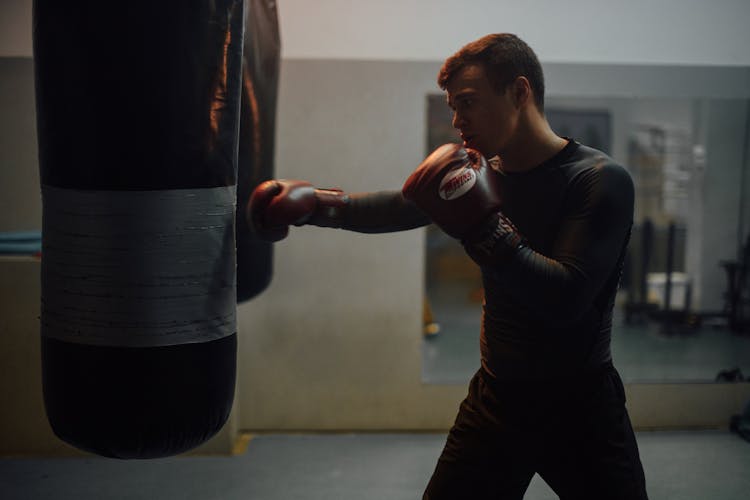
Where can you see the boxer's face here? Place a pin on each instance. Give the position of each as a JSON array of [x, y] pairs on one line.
[[487, 119]]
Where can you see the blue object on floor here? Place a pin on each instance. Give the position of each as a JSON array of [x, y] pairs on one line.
[[20, 242]]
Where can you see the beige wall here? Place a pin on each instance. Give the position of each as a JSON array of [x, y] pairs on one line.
[[334, 342], [20, 198]]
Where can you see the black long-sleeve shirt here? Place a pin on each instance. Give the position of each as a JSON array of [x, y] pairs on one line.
[[548, 306]]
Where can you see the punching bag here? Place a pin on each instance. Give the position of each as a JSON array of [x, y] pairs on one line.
[[137, 114], [260, 78]]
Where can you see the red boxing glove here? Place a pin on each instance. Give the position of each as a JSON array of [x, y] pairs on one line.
[[276, 204], [453, 186]]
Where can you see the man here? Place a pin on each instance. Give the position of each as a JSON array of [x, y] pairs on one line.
[[548, 221]]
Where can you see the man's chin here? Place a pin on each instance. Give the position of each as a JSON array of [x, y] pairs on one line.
[[486, 152], [472, 144]]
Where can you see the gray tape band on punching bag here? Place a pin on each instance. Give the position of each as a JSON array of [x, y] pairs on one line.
[[138, 268]]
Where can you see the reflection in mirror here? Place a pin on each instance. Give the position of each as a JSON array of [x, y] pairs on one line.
[[683, 310]]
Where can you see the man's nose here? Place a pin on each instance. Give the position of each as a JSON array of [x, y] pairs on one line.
[[458, 120]]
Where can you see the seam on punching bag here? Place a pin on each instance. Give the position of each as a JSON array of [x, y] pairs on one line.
[[138, 268]]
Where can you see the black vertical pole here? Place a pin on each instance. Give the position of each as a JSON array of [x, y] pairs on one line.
[[667, 321]]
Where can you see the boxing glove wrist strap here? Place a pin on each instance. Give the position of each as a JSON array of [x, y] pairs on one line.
[[495, 240], [329, 210]]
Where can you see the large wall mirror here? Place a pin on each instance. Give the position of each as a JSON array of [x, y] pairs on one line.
[[683, 309]]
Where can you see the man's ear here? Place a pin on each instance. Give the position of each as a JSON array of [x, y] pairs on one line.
[[522, 93]]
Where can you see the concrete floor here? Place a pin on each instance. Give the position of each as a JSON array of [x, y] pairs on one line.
[[705, 465]]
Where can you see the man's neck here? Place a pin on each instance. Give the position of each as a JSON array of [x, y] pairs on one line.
[[536, 145]]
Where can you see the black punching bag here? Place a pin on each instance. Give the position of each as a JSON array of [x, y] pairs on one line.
[[137, 113], [260, 78]]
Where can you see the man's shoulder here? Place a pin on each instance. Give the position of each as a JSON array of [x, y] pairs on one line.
[[588, 162], [591, 175]]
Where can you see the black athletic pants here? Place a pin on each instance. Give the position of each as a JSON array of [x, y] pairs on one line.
[[574, 432]]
